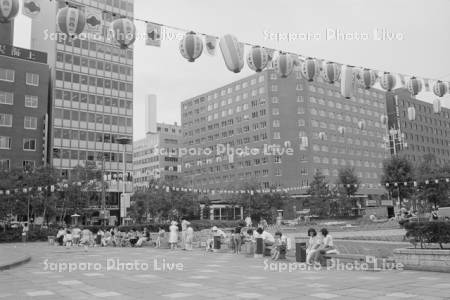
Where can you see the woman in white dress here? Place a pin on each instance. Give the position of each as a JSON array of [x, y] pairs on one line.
[[173, 235]]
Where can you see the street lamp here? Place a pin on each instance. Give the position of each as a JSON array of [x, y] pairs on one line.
[[123, 141]]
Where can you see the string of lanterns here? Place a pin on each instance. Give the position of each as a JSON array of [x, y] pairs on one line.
[[71, 21]]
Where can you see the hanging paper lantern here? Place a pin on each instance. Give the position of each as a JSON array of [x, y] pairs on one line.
[[322, 136], [8, 10], [330, 72], [383, 119], [71, 21], [191, 46], [437, 106], [362, 125], [414, 86], [411, 113], [257, 58], [388, 81], [284, 64], [439, 88], [124, 32], [341, 130], [232, 52], [310, 68], [346, 81], [367, 78]]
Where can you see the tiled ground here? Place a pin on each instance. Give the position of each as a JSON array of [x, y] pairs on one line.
[[204, 276]]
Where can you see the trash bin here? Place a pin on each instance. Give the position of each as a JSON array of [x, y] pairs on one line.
[[300, 251], [259, 247], [217, 242]]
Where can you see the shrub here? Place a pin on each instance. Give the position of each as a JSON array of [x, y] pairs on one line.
[[437, 232]]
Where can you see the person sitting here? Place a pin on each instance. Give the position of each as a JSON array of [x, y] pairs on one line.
[[279, 247], [76, 231], [133, 237], [86, 238], [434, 214], [267, 237], [326, 247], [215, 232], [313, 245], [68, 239], [60, 236], [143, 238], [107, 239]]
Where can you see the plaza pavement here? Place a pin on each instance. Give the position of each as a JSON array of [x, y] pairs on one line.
[[203, 276]]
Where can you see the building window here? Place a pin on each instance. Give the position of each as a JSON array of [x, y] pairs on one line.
[[4, 164], [32, 79], [31, 101], [30, 122], [5, 142], [28, 164], [5, 120], [7, 75], [276, 135], [274, 88], [29, 144], [6, 98], [275, 111]]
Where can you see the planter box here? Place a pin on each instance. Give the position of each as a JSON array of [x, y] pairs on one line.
[[424, 259]]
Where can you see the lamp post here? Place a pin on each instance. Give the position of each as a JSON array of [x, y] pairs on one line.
[[123, 141]]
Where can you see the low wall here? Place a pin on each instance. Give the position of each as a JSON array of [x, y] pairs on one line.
[[424, 259]]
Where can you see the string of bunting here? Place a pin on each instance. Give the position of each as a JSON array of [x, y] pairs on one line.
[[75, 18], [168, 189]]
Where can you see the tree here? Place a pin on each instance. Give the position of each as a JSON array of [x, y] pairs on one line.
[[347, 186], [320, 194], [398, 170], [436, 193]]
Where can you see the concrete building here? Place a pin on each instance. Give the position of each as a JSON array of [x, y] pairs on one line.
[[24, 106], [429, 133], [310, 119], [156, 156], [92, 93]]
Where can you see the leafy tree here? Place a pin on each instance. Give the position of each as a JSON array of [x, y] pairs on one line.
[[398, 170], [347, 186], [436, 193], [320, 194]]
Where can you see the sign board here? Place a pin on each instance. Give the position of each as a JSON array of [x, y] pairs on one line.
[[21, 53]]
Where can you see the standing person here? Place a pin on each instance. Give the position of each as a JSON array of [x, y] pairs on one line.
[[248, 221], [173, 235], [237, 239], [189, 238], [313, 245], [60, 236], [161, 234], [184, 226], [25, 232], [76, 231], [68, 239]]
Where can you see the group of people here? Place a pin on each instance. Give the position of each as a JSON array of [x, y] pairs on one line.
[[80, 236], [187, 235], [319, 246]]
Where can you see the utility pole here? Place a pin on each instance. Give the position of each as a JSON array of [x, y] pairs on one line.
[[103, 196]]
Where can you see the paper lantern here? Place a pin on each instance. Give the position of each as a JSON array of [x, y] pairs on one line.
[[439, 88], [383, 119], [8, 10], [71, 21], [414, 86], [362, 125], [437, 106], [284, 64], [257, 58], [232, 53], [330, 72], [367, 78], [388, 81], [346, 81], [310, 68], [341, 130], [124, 32], [322, 136], [191, 46], [411, 113]]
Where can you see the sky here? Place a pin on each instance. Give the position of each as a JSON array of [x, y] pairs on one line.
[[412, 38]]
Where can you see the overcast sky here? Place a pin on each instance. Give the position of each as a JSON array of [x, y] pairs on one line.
[[419, 31]]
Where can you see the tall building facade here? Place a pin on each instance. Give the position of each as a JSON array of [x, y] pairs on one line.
[[429, 133], [24, 106], [310, 120], [92, 94], [157, 155]]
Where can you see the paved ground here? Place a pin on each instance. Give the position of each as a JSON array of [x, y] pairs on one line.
[[210, 276], [12, 256]]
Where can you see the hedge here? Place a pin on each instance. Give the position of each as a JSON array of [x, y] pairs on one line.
[[431, 232]]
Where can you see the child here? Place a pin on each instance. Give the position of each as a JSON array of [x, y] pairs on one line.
[[161, 234], [189, 238], [279, 247], [236, 239]]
